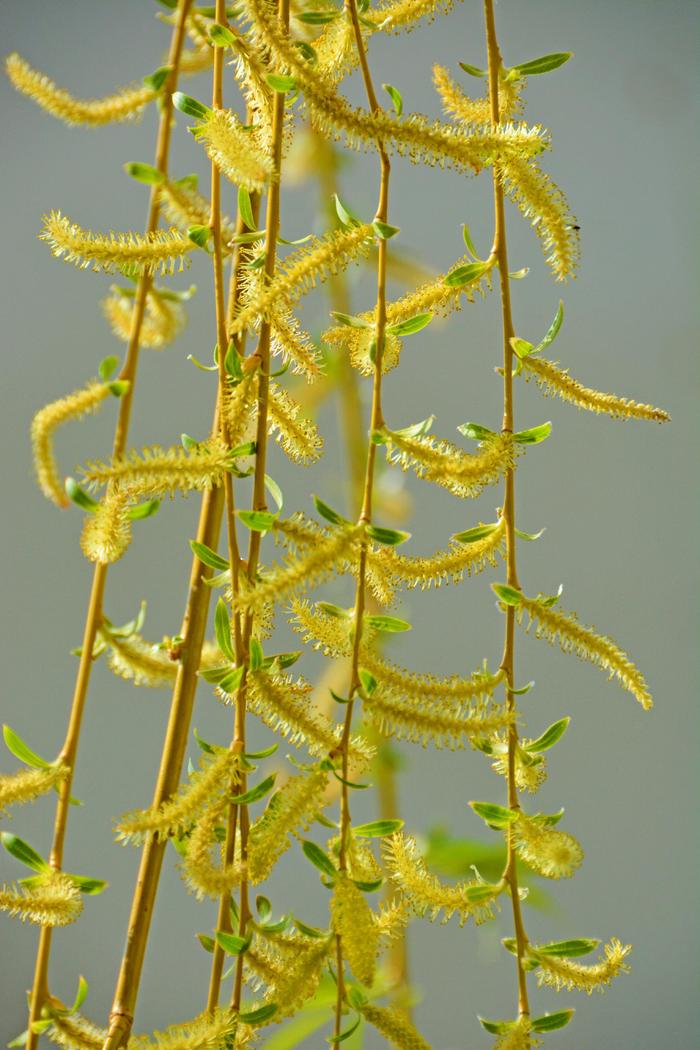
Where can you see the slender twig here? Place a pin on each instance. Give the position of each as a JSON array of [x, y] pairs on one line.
[[376, 422], [507, 664], [69, 751]]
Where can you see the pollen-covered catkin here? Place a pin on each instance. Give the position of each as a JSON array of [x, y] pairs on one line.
[[107, 531], [557, 382], [44, 425], [552, 853], [571, 974], [27, 784], [163, 251], [234, 150], [352, 921], [52, 900]]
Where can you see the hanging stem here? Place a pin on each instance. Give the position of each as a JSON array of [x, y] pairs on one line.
[[376, 422], [69, 751], [500, 249]]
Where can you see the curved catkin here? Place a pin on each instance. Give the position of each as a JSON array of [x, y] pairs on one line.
[[336, 50], [393, 1024], [417, 686], [162, 323], [289, 809], [573, 637], [234, 150], [557, 381], [551, 853], [298, 273], [293, 344], [27, 784], [155, 471], [544, 204], [163, 251], [297, 437], [106, 532], [44, 425], [184, 206], [467, 110], [425, 893], [74, 1032], [561, 972], [444, 464], [209, 1031], [54, 900], [395, 16], [202, 874], [122, 105], [430, 723], [351, 919]]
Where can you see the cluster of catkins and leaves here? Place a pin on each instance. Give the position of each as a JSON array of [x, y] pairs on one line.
[[230, 823]]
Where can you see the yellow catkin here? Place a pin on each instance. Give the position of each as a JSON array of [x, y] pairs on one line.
[[163, 321], [195, 60], [427, 686], [290, 808], [162, 251], [106, 532], [448, 566], [76, 1033], [519, 1037], [444, 464], [544, 204], [27, 784], [291, 976], [426, 722], [208, 1032], [283, 704], [329, 556], [329, 634], [395, 16], [425, 893], [44, 425], [571, 974], [551, 853], [297, 437], [234, 150], [300, 271], [392, 1023], [156, 471], [202, 874], [475, 110], [177, 814], [250, 73], [557, 381], [293, 344], [336, 50], [122, 105], [184, 206], [53, 901], [351, 918], [144, 663], [391, 919], [530, 770], [239, 407], [573, 637]]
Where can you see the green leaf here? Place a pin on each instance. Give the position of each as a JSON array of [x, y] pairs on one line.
[[521, 348], [275, 491], [551, 1022], [349, 783], [207, 942], [482, 891], [16, 746], [479, 532], [572, 949], [42, 1025], [507, 594], [209, 557], [23, 852], [263, 906], [90, 887], [411, 325], [264, 753], [216, 675], [328, 513], [553, 329], [145, 173], [378, 828], [157, 78], [255, 794], [396, 98], [245, 208], [209, 749], [258, 520], [79, 496], [80, 995], [248, 448], [108, 366], [190, 106], [188, 443], [466, 274], [257, 656], [549, 738], [496, 1027], [522, 690], [221, 36], [222, 629], [280, 83], [390, 624], [417, 429], [369, 682], [18, 1041], [530, 536], [335, 1039], [517, 275], [533, 436], [473, 71], [310, 931], [318, 858], [350, 321], [467, 237], [259, 1016], [317, 18], [232, 943], [475, 431], [345, 214], [199, 235], [383, 230], [494, 815], [118, 387], [389, 537], [143, 510], [545, 64]]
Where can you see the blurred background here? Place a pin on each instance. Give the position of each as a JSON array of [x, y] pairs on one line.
[[618, 501]]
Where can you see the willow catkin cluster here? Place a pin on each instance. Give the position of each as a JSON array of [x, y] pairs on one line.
[[444, 464]]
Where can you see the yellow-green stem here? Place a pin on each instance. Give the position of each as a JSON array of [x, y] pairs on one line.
[[376, 422], [507, 664], [93, 618]]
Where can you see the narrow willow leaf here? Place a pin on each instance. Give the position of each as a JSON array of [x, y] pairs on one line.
[[377, 828], [396, 98], [545, 64], [495, 816], [319, 859], [23, 852], [552, 1022], [568, 949], [17, 747], [549, 738]]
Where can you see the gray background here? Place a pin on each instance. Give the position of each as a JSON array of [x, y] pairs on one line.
[[616, 500]]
